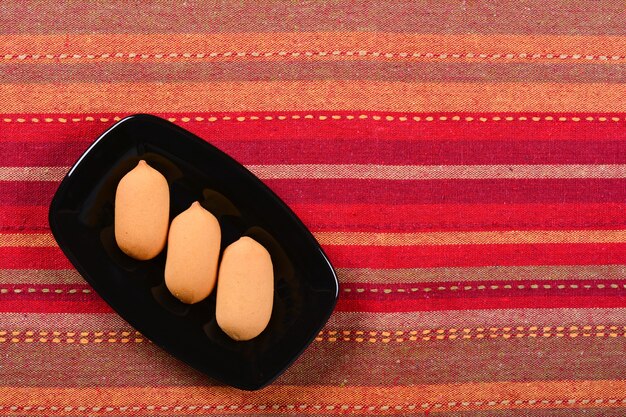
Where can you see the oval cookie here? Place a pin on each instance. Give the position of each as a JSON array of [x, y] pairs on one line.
[[193, 249], [142, 206], [245, 289]]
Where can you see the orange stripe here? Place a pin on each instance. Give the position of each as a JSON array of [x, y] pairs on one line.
[[604, 49], [445, 397], [403, 239], [307, 95]]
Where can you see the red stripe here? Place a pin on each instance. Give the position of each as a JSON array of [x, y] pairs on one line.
[[33, 258], [503, 191], [404, 218], [393, 256], [358, 129], [383, 130], [30, 306], [390, 306], [60, 303], [23, 218], [425, 152], [51, 287], [43, 153], [451, 191], [442, 217], [383, 306], [44, 133], [289, 150], [475, 255], [26, 293]]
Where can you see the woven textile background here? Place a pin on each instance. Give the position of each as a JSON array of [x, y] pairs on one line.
[[463, 163]]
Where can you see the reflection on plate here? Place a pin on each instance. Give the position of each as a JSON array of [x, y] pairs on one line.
[[81, 220]]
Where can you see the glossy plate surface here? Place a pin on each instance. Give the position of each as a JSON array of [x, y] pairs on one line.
[[81, 220]]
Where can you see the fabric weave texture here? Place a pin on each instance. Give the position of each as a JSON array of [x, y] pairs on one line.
[[463, 165]]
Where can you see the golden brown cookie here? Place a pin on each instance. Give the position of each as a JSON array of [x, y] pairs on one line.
[[193, 249], [142, 207], [245, 289]]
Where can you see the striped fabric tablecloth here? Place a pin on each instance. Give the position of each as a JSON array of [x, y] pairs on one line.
[[462, 163]]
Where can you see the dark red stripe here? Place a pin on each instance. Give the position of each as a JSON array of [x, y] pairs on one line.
[[351, 191], [404, 218], [444, 217], [290, 150], [425, 152], [393, 256], [475, 255], [451, 191], [390, 131], [41, 153], [383, 306], [356, 129], [481, 289], [29, 306], [390, 306]]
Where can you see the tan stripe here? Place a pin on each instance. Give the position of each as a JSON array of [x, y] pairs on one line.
[[448, 16], [40, 276], [27, 240], [145, 365], [384, 172], [427, 172], [471, 238], [332, 95], [488, 273], [441, 397], [32, 173], [386, 336], [64, 322], [447, 319], [405, 239], [318, 45], [341, 320], [384, 276], [433, 70]]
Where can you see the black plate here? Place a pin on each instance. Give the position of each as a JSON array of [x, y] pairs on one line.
[[81, 219]]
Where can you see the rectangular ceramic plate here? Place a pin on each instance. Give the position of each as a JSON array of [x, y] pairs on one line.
[[81, 220]]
